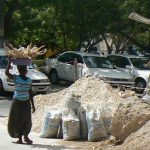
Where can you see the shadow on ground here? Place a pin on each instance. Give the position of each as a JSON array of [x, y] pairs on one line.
[[52, 147]]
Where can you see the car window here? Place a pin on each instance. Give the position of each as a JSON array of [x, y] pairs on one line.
[[65, 58], [123, 62], [78, 58], [113, 60], [141, 63], [97, 62], [3, 61], [70, 57]]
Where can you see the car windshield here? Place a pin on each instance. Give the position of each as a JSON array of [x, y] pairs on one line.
[[3, 61], [97, 62], [141, 63]]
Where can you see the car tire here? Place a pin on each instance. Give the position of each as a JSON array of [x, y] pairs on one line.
[[53, 77], [140, 84], [2, 92]]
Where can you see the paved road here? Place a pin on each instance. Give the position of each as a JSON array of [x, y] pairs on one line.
[[39, 143], [5, 103]]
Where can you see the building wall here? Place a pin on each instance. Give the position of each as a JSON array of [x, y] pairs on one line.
[[102, 47]]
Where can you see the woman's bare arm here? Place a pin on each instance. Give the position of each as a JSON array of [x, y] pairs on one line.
[[32, 101], [7, 70]]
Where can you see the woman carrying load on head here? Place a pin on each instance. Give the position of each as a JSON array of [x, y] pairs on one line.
[[19, 123]]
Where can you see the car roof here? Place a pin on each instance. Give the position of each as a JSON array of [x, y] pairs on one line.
[[127, 55], [84, 53]]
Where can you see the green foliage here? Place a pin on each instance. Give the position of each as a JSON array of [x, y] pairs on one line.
[[67, 23]]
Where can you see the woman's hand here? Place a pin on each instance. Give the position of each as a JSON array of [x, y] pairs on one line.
[[33, 109]]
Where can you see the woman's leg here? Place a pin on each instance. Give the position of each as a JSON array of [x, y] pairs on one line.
[[19, 141], [27, 140], [27, 124]]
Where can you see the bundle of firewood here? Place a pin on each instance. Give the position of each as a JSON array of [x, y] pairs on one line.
[[24, 52]]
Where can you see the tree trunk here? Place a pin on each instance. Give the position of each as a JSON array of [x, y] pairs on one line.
[[133, 41], [108, 47], [9, 15]]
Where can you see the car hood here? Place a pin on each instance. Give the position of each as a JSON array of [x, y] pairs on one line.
[[109, 73], [32, 73], [36, 75]]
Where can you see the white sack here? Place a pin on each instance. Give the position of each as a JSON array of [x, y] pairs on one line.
[[71, 101], [96, 129], [71, 125], [51, 121], [83, 123]]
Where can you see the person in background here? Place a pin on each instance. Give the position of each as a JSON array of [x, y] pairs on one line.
[[19, 122]]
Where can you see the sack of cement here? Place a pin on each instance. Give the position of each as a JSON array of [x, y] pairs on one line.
[[96, 129], [70, 125], [81, 113], [71, 101], [106, 114], [51, 121]]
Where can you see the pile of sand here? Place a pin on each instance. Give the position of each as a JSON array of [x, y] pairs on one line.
[[93, 92], [131, 117]]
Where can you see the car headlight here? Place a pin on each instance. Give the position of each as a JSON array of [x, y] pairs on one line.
[[9, 80]]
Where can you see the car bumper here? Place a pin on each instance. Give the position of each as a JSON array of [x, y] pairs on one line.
[[126, 84], [36, 88]]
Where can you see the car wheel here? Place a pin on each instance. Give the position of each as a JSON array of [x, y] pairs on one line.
[[1, 88], [140, 84], [53, 76]]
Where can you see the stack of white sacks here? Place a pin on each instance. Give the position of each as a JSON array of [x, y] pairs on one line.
[[74, 122]]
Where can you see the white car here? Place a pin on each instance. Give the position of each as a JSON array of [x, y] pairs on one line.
[[72, 65], [40, 82], [137, 66]]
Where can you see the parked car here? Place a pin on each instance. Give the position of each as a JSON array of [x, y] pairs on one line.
[[40, 82], [137, 66], [73, 65]]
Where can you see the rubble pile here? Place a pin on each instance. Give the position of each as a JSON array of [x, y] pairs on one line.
[[94, 93], [130, 116]]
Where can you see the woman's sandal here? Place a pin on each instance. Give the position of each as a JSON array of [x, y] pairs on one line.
[[18, 142], [27, 140]]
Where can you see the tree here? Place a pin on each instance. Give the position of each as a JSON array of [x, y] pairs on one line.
[[68, 23]]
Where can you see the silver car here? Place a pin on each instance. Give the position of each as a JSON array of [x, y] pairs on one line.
[[40, 82], [71, 66], [137, 66]]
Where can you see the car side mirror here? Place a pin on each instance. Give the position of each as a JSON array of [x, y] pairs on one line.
[[128, 67]]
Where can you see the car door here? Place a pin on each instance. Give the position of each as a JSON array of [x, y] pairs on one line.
[[74, 67], [62, 66], [120, 63], [123, 62]]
